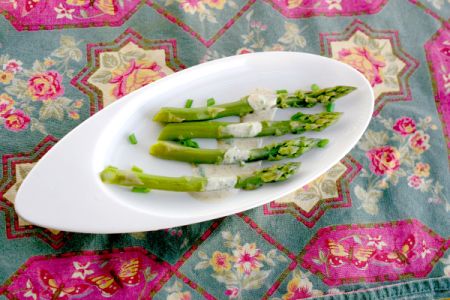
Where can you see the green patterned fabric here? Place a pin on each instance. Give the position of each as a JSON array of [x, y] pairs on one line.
[[375, 226]]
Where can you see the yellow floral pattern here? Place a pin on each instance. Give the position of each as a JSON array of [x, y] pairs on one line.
[[374, 57], [128, 69], [244, 267], [220, 261], [324, 187], [22, 170]]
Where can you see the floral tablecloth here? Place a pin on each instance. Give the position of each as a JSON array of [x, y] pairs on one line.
[[375, 226]]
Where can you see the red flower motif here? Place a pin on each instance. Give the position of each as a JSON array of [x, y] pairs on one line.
[[419, 142], [13, 66], [248, 258], [135, 75], [415, 181], [45, 86], [383, 160], [405, 126], [16, 120]]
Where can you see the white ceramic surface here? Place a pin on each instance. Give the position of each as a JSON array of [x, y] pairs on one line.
[[63, 191]]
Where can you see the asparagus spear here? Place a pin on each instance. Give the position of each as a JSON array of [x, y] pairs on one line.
[[221, 130], [277, 151], [243, 107], [133, 178]]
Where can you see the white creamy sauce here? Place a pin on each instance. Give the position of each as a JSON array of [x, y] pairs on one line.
[[131, 178], [262, 99], [220, 183], [261, 115], [263, 103], [248, 143], [243, 130], [235, 154]]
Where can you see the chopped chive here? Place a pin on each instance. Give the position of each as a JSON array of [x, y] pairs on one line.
[[297, 116], [210, 102], [189, 143], [136, 169], [315, 87], [322, 143], [282, 91], [189, 103], [143, 190], [132, 139], [330, 107]]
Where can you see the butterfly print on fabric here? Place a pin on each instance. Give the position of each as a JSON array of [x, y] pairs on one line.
[[57, 289], [113, 277], [399, 257], [340, 255]]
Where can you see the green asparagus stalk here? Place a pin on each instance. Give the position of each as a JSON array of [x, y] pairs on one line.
[[137, 179], [311, 98], [277, 151], [222, 130], [242, 106]]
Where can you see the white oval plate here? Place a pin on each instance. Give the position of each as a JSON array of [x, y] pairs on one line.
[[63, 191]]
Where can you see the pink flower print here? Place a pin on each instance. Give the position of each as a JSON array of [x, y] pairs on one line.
[[405, 126], [232, 292], [384, 160], [13, 66], [376, 242], [16, 120], [248, 258], [424, 250], [419, 142], [81, 271], [415, 181], [365, 62], [134, 75], [45, 86]]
